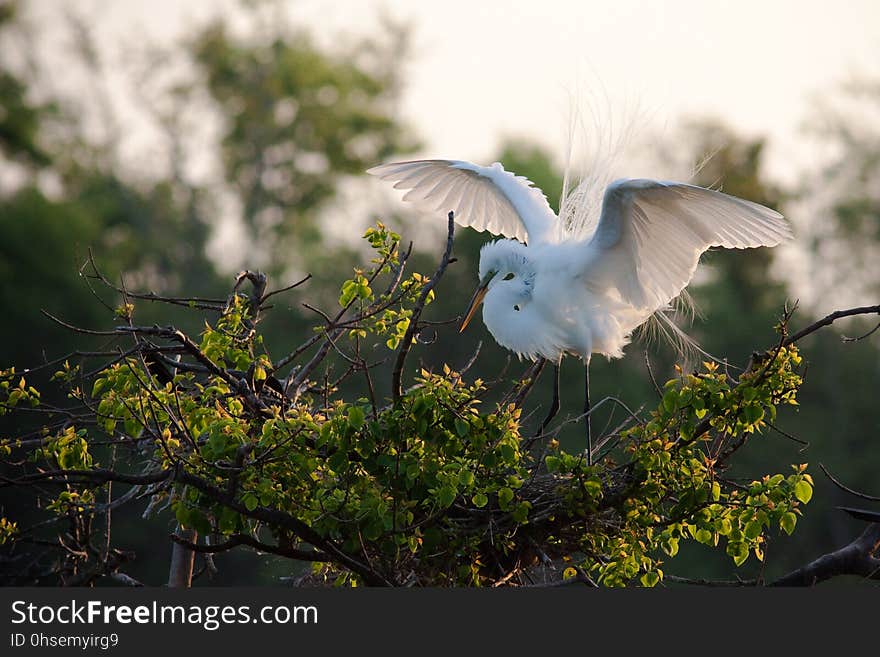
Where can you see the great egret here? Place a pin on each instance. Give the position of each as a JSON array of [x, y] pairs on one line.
[[554, 288]]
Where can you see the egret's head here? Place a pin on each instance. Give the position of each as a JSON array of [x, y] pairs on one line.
[[507, 272]]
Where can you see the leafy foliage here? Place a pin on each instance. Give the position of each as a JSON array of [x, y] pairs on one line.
[[433, 488]]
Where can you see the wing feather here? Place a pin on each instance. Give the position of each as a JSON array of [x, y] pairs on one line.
[[484, 198], [651, 234]]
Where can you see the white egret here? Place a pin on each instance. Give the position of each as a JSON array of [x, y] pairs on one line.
[[554, 288]]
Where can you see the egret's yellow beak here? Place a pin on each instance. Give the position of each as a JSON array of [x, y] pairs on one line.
[[476, 300]]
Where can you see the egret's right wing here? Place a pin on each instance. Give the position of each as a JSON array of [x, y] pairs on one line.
[[651, 234], [484, 198]]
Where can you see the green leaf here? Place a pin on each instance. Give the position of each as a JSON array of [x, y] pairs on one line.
[[505, 495], [462, 428], [181, 512], [480, 500], [228, 520], [670, 547], [739, 551], [716, 491], [446, 496], [787, 522], [508, 453], [803, 491], [704, 536], [355, 417], [466, 477], [250, 501], [100, 384], [753, 413], [521, 513], [553, 463], [753, 529], [650, 579], [199, 522], [593, 487]]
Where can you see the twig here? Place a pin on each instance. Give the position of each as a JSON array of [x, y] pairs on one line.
[[188, 302], [580, 578], [472, 359], [861, 514], [829, 319], [243, 539], [529, 377], [861, 337], [96, 476], [710, 582], [847, 489], [791, 437], [651, 375], [77, 329], [406, 343], [286, 288]]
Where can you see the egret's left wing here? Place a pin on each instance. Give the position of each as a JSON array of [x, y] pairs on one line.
[[484, 198], [651, 234]]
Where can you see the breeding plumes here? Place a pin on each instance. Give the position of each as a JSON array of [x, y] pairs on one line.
[[581, 288]]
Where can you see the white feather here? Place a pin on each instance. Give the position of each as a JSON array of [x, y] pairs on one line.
[[484, 198], [651, 234], [582, 285]]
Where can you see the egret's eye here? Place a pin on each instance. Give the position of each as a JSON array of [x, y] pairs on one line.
[[508, 277], [516, 307]]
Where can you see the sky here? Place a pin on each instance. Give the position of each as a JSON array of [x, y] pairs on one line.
[[485, 69]]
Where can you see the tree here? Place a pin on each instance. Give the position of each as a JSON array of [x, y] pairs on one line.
[[417, 486], [296, 120], [840, 199]]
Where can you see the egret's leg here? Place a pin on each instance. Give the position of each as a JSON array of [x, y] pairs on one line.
[[554, 405], [587, 411]]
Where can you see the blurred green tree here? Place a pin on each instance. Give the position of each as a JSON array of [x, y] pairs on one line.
[[296, 121], [841, 200]]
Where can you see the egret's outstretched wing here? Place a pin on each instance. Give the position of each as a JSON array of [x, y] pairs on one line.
[[484, 198], [651, 234]]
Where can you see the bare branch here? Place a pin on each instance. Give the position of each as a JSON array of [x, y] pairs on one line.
[[710, 582], [857, 558], [861, 514], [236, 540], [830, 319], [96, 477], [286, 288], [847, 489], [412, 329], [863, 336]]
